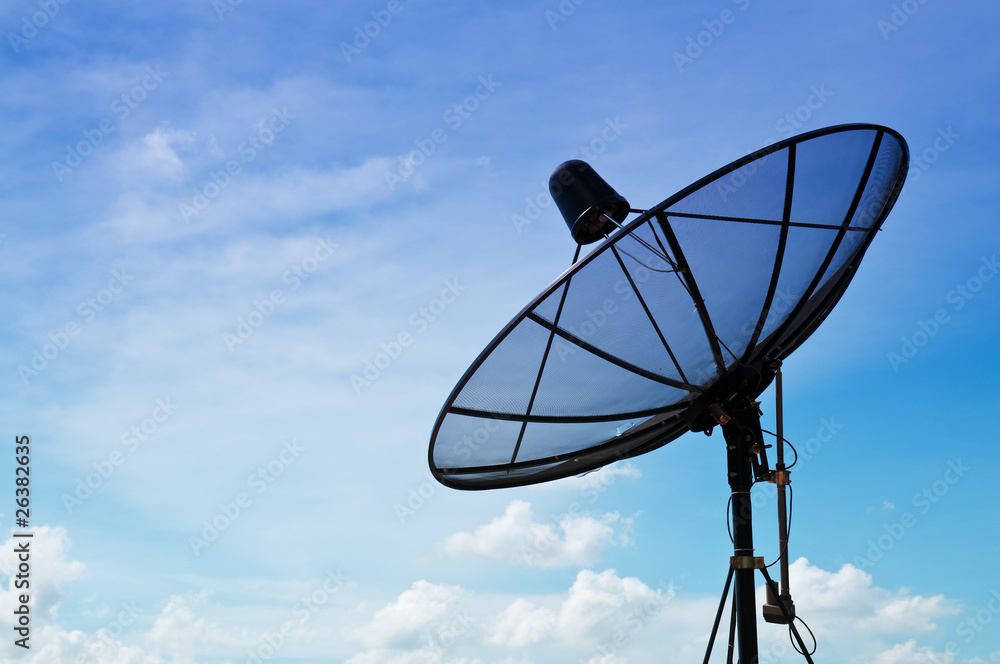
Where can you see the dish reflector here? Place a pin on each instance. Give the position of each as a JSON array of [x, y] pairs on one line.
[[680, 309]]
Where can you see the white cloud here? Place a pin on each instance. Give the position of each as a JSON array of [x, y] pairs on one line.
[[50, 567], [602, 478], [435, 623], [607, 659], [401, 623], [522, 623], [909, 653], [387, 656], [884, 507], [847, 598], [298, 193], [243, 199], [904, 613], [847, 602], [180, 629], [52, 645], [577, 540], [192, 629], [154, 155], [420, 627], [595, 607], [600, 603], [602, 618]]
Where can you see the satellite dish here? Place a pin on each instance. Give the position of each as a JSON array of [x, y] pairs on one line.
[[676, 321]]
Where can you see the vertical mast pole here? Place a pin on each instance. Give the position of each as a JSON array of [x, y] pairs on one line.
[[779, 607], [782, 480], [739, 437]]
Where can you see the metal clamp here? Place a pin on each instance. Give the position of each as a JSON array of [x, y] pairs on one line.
[[746, 562], [780, 477], [718, 413]]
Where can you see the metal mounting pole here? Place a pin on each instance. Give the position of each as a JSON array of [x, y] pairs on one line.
[[772, 612], [744, 442], [782, 480], [742, 433]]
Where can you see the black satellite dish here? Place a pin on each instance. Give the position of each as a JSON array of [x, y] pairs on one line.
[[676, 322]]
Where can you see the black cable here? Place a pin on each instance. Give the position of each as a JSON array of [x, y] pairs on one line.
[[648, 267], [729, 526], [795, 645], [788, 528], [788, 525], [796, 455], [787, 442]]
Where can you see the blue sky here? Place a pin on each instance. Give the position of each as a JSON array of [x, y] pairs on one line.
[[215, 216]]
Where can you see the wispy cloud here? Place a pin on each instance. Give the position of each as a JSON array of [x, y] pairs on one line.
[[575, 539]]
